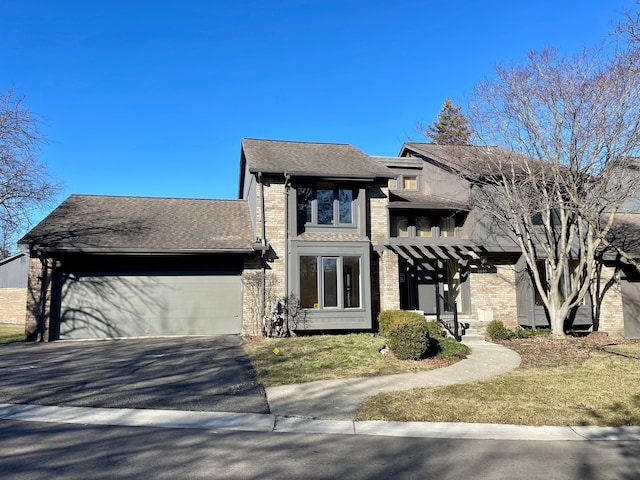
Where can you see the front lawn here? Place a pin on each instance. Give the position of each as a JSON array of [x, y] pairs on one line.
[[11, 333], [578, 381], [322, 357]]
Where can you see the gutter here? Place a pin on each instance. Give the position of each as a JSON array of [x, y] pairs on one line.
[[263, 287], [38, 251]]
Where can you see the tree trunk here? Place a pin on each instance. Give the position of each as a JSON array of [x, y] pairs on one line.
[[556, 319]]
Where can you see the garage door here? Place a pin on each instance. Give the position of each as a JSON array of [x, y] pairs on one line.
[[111, 306]]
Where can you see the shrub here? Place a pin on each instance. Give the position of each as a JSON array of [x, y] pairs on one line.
[[498, 331], [434, 329], [450, 349], [388, 318], [407, 337]]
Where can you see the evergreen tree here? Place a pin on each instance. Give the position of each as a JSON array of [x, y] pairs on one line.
[[450, 128]]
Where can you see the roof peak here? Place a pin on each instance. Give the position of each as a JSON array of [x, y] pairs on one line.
[[295, 141], [149, 197]]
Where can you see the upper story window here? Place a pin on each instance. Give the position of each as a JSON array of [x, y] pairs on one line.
[[447, 227], [409, 182], [404, 183], [423, 226], [325, 204]]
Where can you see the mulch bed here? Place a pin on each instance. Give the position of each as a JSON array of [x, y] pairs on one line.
[[547, 351]]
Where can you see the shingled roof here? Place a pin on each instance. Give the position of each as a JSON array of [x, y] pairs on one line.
[[328, 160], [102, 224], [469, 159], [411, 200]]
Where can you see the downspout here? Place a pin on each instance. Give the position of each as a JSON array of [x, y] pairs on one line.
[[287, 186], [263, 251], [42, 301]]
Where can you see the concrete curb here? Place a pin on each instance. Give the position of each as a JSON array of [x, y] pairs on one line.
[[267, 423]]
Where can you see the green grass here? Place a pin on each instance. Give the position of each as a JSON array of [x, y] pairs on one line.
[[11, 333], [603, 391], [322, 357]]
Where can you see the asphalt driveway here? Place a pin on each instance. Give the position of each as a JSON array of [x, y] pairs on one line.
[[187, 373]]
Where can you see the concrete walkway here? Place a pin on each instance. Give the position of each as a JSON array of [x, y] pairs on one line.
[[339, 399]]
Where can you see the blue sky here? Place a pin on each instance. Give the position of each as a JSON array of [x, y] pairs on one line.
[[152, 98]]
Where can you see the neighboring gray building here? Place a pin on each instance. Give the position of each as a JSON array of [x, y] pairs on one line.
[[13, 288]]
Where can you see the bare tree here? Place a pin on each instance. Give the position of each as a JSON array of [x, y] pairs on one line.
[[569, 127], [24, 182]]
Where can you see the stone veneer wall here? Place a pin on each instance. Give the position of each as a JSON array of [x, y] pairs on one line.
[[496, 290], [13, 302], [611, 310]]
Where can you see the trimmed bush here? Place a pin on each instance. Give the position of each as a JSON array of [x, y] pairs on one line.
[[498, 331], [407, 337], [388, 318]]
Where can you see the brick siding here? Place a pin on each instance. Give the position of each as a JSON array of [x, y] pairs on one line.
[[38, 296], [496, 290], [13, 302], [611, 311], [389, 281]]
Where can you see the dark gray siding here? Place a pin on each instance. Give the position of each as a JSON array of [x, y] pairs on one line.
[[102, 297], [333, 318], [14, 271], [630, 285]]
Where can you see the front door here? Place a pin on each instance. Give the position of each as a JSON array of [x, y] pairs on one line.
[[426, 276]]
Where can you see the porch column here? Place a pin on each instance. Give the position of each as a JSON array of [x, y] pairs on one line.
[[39, 300], [389, 281]]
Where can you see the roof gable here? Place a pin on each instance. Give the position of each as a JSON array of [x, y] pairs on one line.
[[94, 223]]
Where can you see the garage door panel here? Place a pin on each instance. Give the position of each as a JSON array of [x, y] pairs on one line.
[[103, 306]]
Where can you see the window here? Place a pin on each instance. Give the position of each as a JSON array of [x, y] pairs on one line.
[[409, 182], [407, 224], [329, 281], [308, 282], [400, 226], [305, 205], [423, 227], [447, 227], [541, 266], [325, 205]]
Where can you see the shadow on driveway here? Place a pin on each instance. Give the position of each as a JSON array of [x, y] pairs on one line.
[[187, 373]]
